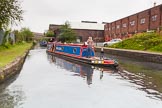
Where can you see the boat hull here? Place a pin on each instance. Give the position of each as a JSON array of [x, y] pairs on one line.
[[83, 60], [75, 52]]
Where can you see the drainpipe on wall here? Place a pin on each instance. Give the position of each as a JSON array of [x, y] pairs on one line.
[[137, 24], [149, 20], [160, 23]]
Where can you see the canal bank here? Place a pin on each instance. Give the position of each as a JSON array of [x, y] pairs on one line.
[[13, 68], [139, 55]]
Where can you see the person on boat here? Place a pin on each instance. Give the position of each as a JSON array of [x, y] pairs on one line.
[[90, 45]]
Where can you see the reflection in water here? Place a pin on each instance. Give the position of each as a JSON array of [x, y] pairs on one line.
[[83, 70], [11, 98], [147, 75], [144, 82], [57, 83]]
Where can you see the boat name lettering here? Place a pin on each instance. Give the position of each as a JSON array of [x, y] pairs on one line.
[[59, 48]]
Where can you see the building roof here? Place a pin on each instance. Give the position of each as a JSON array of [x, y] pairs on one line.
[[87, 25]]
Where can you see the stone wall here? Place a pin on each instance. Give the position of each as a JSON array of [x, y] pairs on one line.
[[139, 55], [12, 68]]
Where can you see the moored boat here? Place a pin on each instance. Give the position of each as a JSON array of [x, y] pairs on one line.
[[80, 53], [43, 43]]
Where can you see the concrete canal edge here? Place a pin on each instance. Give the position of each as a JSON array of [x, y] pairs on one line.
[[139, 55], [13, 68]]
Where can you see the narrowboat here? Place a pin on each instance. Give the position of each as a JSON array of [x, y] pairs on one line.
[[43, 43], [80, 53]]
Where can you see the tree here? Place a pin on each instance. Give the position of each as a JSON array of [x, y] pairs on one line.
[[26, 34], [66, 33], [50, 33], [18, 36], [10, 12]]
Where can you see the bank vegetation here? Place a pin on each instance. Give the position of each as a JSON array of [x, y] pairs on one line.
[[143, 41], [11, 49]]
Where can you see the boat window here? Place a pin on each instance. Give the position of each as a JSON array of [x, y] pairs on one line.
[[74, 50], [62, 48]]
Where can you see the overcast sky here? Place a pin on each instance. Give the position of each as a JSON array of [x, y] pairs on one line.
[[40, 13]]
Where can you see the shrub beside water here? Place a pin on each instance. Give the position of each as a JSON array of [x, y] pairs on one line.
[[142, 41], [8, 53]]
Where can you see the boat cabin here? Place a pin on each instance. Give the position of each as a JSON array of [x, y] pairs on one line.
[[71, 49]]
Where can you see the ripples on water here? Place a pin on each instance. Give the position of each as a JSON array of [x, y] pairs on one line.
[[146, 75], [142, 81], [44, 82]]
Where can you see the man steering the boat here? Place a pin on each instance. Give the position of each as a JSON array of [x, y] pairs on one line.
[[90, 45]]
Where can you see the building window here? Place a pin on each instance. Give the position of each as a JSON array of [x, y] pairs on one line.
[[154, 18], [113, 28], [142, 20], [118, 26], [124, 25], [132, 23]]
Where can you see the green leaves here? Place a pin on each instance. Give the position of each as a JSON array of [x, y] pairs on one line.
[[142, 41], [66, 33], [10, 12], [23, 35], [50, 33]]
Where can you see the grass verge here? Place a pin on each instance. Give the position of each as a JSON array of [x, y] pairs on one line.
[[143, 41], [10, 53]]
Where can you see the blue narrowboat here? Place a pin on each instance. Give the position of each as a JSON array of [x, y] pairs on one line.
[[78, 52], [43, 43]]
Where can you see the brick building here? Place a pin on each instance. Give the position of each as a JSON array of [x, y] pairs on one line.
[[144, 21], [84, 30]]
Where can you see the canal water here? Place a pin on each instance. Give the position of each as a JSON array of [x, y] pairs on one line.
[[47, 81]]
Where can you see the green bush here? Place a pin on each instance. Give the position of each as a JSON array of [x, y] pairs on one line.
[[143, 41], [50, 33], [26, 34], [157, 48]]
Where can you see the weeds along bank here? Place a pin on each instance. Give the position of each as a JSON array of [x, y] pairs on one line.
[[143, 41], [12, 58], [143, 46]]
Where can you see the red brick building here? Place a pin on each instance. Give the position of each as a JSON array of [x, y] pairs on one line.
[[133, 20], [144, 21], [124, 26], [118, 28], [84, 30]]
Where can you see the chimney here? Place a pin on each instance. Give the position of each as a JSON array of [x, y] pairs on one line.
[[154, 4]]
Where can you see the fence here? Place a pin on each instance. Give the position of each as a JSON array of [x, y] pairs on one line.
[[10, 35]]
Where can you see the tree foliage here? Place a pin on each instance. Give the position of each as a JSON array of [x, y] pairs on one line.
[[19, 37], [26, 34], [10, 12], [23, 35], [66, 33], [50, 33]]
